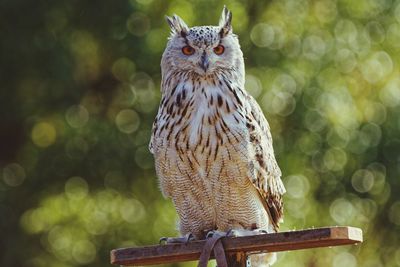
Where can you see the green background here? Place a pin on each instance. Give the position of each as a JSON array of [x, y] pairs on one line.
[[80, 88]]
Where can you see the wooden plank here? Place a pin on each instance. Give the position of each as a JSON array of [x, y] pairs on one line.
[[283, 241]]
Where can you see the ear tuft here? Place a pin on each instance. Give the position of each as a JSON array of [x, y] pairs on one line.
[[177, 25], [225, 22]]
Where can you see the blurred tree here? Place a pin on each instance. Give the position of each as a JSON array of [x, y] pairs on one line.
[[80, 90]]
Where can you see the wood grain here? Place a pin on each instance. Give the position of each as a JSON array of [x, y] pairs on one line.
[[283, 241]]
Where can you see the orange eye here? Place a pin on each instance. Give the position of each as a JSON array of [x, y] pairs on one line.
[[219, 50], [188, 50]]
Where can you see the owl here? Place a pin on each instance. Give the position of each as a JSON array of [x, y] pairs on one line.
[[210, 140]]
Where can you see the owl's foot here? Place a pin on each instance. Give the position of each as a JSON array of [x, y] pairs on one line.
[[236, 233], [245, 232], [216, 233], [177, 240]]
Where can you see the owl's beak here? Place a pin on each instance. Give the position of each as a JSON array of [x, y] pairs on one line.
[[204, 62]]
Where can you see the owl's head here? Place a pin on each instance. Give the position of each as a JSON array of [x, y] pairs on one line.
[[203, 49]]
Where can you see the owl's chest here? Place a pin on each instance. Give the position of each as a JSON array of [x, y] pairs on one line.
[[201, 130], [202, 115], [206, 142], [204, 129]]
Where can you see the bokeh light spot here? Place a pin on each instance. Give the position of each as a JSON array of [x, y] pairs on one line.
[[84, 252], [375, 112], [97, 222], [297, 186], [253, 85], [143, 82], [313, 47], [361, 44], [338, 137], [342, 211], [297, 208], [262, 35], [279, 102], [76, 188], [345, 31], [325, 11], [138, 24], [344, 259], [77, 116], [43, 134], [299, 7], [377, 67], [284, 83], [376, 32], [345, 60], [390, 94], [314, 121], [371, 134], [33, 221], [292, 47], [85, 49], [13, 174], [362, 180], [309, 143], [123, 69], [125, 95], [335, 159], [132, 210], [60, 242], [144, 87], [127, 121], [393, 35], [379, 172]]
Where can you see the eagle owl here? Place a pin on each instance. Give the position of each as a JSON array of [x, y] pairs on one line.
[[211, 142]]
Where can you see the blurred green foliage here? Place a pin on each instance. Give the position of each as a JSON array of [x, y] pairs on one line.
[[80, 88]]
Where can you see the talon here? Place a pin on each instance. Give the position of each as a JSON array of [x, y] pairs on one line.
[[189, 237], [177, 240], [210, 234], [214, 233], [231, 233], [246, 232], [163, 241]]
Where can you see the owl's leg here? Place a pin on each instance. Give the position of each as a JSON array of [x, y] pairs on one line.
[[177, 240]]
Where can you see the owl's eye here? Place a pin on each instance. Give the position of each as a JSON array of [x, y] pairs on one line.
[[187, 50], [219, 50]]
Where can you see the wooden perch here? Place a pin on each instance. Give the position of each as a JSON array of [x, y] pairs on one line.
[[283, 241]]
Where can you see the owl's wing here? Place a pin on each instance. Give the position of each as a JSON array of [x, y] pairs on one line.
[[155, 126], [151, 143], [266, 175]]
